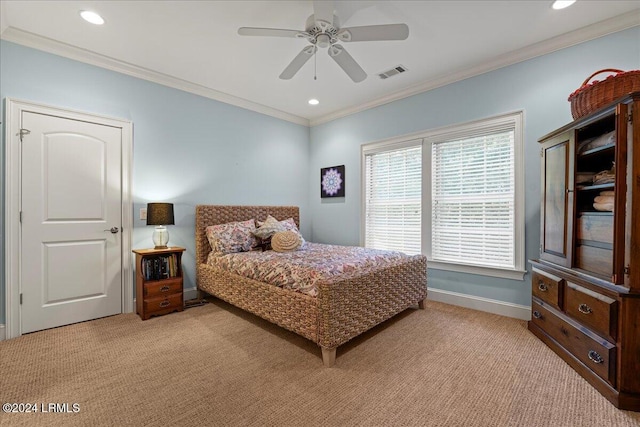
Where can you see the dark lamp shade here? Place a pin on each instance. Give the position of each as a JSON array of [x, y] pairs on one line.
[[160, 214]]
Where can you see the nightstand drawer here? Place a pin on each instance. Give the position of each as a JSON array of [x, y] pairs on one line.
[[596, 353], [161, 304], [547, 287], [162, 288], [592, 309]]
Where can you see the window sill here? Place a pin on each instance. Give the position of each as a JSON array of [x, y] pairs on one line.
[[475, 269]]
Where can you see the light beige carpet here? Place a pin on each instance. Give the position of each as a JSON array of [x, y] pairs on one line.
[[218, 366]]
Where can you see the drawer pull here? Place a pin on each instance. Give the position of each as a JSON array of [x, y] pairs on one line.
[[166, 303], [595, 357], [542, 286], [584, 309], [537, 314], [165, 288]]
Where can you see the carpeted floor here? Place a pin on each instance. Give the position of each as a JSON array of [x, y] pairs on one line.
[[215, 365]]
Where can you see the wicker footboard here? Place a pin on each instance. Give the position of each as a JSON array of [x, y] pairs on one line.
[[291, 310], [350, 307]]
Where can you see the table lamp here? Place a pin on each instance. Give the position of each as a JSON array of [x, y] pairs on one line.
[[160, 215]]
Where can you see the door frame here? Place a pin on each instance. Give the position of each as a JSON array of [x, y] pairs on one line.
[[13, 172]]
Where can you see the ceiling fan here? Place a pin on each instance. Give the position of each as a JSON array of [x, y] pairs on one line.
[[323, 30]]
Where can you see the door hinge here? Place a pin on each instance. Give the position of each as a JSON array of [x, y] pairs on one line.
[[22, 133], [630, 118], [541, 152], [20, 299], [627, 270], [20, 217]]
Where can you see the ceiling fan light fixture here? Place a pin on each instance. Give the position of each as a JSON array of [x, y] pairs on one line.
[[561, 4], [91, 17], [313, 101], [323, 40]]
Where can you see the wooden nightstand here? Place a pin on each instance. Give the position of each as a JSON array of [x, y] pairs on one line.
[[158, 281]]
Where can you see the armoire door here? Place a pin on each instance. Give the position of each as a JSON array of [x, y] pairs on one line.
[[557, 187]]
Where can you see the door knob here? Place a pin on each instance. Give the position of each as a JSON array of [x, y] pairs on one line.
[[113, 230]]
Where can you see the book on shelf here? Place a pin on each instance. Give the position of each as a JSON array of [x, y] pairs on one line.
[[160, 267]]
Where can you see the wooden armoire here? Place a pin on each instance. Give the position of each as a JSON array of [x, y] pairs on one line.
[[586, 283]]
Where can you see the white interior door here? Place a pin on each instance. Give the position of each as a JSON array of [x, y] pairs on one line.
[[71, 252]]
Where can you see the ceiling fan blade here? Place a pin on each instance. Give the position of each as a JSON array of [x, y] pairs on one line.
[[298, 62], [323, 11], [374, 33], [270, 32], [347, 63]]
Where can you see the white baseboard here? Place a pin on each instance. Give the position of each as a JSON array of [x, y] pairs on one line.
[[2, 333], [190, 293], [502, 308]]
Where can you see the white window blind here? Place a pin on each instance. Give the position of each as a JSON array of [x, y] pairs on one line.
[[393, 193], [473, 198]]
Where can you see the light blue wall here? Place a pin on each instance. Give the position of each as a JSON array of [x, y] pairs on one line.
[[190, 150], [187, 149], [539, 86]]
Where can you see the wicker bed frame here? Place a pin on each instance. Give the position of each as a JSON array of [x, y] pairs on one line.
[[341, 311]]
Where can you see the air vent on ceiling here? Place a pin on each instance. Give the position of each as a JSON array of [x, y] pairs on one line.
[[392, 72]]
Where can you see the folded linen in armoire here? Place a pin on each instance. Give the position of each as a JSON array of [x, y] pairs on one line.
[[604, 199], [604, 202]]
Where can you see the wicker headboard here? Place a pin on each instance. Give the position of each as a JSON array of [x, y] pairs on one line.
[[207, 215]]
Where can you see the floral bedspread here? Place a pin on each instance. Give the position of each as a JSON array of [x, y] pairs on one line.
[[304, 269]]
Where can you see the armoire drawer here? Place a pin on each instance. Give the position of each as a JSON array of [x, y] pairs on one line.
[[595, 352], [547, 287], [592, 309]]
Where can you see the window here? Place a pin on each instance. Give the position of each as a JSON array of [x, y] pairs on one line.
[[393, 198], [472, 199], [472, 196]]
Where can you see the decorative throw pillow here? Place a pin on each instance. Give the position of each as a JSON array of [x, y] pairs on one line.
[[268, 228], [290, 225], [231, 237], [286, 241]]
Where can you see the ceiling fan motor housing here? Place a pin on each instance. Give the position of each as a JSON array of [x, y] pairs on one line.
[[322, 33]]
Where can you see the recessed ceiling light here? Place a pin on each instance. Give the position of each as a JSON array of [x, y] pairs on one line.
[[92, 17], [314, 102], [561, 4]]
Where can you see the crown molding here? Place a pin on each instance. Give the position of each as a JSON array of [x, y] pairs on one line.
[[45, 44], [590, 32]]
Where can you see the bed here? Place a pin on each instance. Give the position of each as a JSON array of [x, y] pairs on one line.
[[342, 309]]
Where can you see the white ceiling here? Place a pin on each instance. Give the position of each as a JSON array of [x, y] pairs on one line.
[[194, 45]]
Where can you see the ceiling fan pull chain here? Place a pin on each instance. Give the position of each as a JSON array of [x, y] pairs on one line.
[[315, 65]]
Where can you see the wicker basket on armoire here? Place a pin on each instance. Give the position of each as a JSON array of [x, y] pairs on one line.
[[589, 97]]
